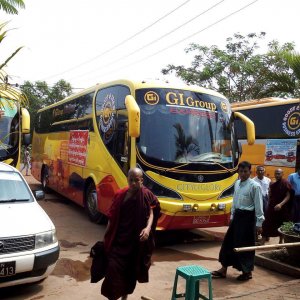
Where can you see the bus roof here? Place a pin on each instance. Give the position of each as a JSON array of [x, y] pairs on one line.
[[264, 102], [11, 93], [135, 84]]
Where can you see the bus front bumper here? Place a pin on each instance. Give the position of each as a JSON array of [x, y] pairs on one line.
[[180, 221]]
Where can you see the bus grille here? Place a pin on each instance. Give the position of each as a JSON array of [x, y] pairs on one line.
[[18, 244]]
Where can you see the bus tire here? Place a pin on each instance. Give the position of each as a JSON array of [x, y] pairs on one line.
[[91, 204], [44, 180]]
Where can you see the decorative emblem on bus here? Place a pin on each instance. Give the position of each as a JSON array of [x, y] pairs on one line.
[[151, 98], [200, 178], [108, 115], [224, 106], [291, 121]]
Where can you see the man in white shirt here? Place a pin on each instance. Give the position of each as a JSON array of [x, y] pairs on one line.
[[264, 183], [246, 217]]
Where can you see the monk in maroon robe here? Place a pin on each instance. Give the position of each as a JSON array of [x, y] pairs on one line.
[[278, 209], [129, 239]]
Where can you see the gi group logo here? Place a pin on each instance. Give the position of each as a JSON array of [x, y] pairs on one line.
[[291, 121], [224, 107], [151, 98]]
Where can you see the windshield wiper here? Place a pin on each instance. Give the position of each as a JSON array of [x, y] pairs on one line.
[[13, 200]]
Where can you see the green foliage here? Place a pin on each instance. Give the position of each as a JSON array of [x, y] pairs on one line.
[[10, 6], [3, 34], [288, 227], [41, 95], [239, 71], [7, 91]]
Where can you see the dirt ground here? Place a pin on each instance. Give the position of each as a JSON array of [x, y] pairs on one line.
[[76, 234]]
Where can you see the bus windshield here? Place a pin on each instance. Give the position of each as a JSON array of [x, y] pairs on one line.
[[8, 127], [184, 127]]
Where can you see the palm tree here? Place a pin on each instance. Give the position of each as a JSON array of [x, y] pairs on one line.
[[9, 6], [7, 91], [284, 81], [293, 61]]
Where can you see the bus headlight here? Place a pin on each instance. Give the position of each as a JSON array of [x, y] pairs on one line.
[[227, 192], [45, 239]]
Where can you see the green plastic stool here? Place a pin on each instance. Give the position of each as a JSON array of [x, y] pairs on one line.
[[192, 274]]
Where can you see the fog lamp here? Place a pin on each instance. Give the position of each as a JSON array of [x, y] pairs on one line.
[[187, 207], [213, 207], [195, 207]]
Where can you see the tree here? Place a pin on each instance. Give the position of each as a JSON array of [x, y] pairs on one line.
[[287, 82], [239, 71], [41, 95], [7, 91], [10, 6]]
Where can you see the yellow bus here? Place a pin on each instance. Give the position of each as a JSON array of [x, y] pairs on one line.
[[277, 127], [14, 125], [181, 137]]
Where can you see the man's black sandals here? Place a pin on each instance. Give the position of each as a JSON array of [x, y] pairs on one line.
[[244, 276], [218, 274]]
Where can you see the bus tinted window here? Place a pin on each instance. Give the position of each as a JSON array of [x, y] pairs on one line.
[[44, 120], [85, 105], [85, 110], [112, 121], [269, 122]]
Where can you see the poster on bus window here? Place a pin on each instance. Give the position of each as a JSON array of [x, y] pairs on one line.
[[78, 147], [281, 152]]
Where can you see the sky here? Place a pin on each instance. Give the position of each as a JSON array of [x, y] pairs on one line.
[[93, 41]]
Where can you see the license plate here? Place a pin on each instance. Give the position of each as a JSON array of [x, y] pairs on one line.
[[7, 268], [201, 219]]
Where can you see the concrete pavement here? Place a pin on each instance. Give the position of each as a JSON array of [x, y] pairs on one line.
[[289, 290], [265, 284]]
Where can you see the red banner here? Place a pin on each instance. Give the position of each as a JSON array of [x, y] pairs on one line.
[[78, 147]]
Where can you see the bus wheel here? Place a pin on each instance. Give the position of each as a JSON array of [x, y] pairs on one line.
[[91, 204], [44, 180]]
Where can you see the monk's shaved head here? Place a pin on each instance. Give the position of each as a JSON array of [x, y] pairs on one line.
[[278, 174], [135, 171], [135, 179]]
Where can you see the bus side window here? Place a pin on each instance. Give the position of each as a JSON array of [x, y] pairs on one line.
[[112, 120], [84, 112], [121, 151]]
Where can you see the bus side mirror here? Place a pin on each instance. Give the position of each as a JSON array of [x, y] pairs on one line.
[[133, 116], [240, 148], [26, 139], [250, 128], [25, 120]]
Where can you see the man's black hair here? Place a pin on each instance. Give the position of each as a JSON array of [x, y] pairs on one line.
[[260, 166], [244, 164]]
